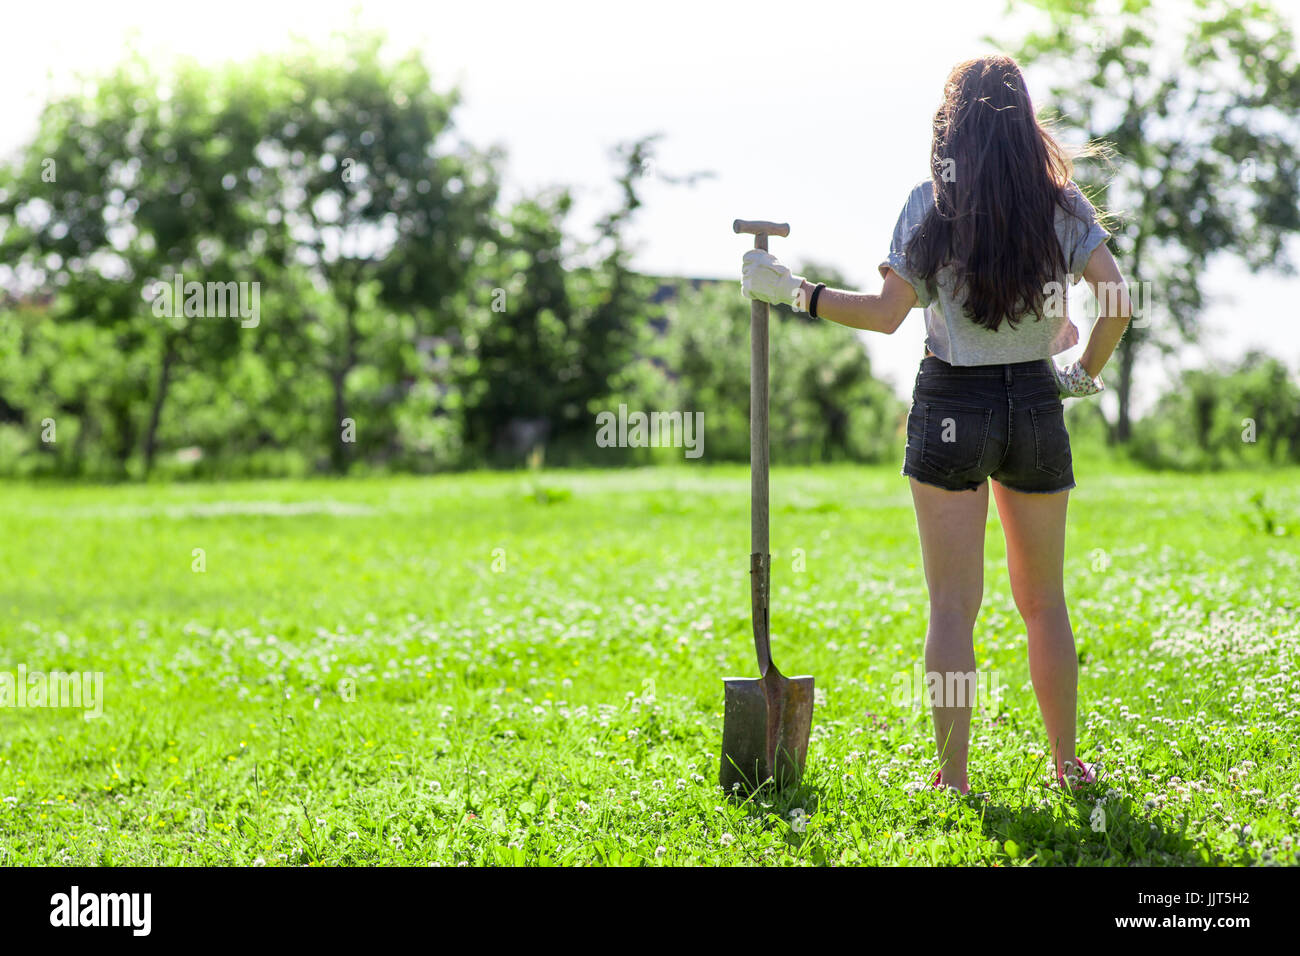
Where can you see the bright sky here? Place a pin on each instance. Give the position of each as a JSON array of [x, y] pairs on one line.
[[813, 113]]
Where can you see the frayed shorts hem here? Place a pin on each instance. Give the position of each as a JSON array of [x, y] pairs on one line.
[[1024, 491], [1038, 491], [936, 484]]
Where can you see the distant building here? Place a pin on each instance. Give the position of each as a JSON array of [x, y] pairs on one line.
[[666, 291]]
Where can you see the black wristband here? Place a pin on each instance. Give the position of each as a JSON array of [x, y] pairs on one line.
[[812, 302]]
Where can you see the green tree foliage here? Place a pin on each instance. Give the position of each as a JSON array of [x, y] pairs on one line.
[[328, 179], [825, 404], [404, 318], [121, 189], [384, 213], [1247, 413], [555, 326], [519, 344]]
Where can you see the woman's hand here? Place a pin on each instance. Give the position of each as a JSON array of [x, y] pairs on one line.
[[765, 279], [1073, 381]]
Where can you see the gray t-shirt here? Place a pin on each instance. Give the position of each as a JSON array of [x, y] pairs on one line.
[[951, 334]]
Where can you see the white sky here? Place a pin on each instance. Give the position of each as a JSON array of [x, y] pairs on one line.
[[814, 113]]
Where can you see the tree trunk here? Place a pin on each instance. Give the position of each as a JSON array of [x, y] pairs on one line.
[[1127, 350], [341, 451], [338, 451], [1128, 345], [159, 399]]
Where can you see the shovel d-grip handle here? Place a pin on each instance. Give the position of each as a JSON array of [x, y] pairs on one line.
[[761, 227], [760, 560]]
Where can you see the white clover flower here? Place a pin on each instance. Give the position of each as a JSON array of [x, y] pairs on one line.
[[727, 839], [659, 852]]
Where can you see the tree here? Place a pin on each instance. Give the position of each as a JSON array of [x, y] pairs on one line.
[[825, 404], [125, 187], [385, 212], [1244, 412], [546, 341], [518, 349], [1201, 112]]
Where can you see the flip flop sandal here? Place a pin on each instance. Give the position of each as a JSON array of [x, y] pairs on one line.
[[934, 784], [982, 795], [1088, 775]]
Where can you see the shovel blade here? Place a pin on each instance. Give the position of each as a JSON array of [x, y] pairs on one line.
[[765, 731]]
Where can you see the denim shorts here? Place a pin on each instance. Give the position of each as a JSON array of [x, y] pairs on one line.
[[969, 423]]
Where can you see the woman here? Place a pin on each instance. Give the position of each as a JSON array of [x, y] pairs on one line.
[[987, 246]]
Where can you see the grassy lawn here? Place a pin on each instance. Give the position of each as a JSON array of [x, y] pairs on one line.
[[493, 669]]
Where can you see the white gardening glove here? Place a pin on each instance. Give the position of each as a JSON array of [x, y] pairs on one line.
[[1074, 382], [765, 279]]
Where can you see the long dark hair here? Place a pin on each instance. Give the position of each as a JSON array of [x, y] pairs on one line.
[[998, 176]]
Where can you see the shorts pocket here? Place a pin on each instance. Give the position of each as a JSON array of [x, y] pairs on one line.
[[1051, 439], [953, 436]]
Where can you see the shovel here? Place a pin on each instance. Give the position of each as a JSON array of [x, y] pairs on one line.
[[767, 719]]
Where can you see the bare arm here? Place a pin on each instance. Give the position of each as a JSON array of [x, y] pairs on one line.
[[1113, 309], [861, 310]]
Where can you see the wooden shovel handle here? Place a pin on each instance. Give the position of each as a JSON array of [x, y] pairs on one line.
[[758, 427], [760, 561]]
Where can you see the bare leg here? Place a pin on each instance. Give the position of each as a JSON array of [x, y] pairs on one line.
[[1035, 531], [951, 526]]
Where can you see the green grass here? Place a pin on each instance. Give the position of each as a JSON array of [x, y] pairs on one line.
[[498, 669]]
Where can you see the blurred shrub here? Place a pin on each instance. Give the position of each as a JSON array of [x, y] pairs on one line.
[[1244, 414], [824, 403]]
